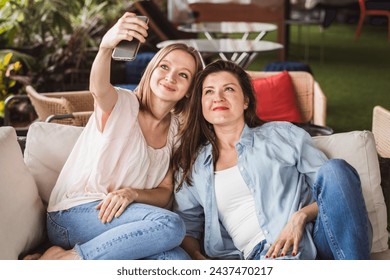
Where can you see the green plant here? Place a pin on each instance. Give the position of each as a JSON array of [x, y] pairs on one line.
[[8, 71], [33, 22], [69, 61], [62, 36]]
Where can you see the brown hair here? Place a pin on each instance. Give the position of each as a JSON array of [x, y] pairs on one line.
[[144, 90], [197, 132]]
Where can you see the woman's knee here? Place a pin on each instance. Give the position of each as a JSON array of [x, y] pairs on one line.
[[336, 174], [177, 224], [168, 221], [336, 168], [335, 163], [176, 230]]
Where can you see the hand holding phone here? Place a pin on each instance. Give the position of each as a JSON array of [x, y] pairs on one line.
[[127, 50]]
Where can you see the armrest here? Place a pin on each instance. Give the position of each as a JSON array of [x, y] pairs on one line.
[[59, 117], [78, 118], [381, 130], [319, 106]]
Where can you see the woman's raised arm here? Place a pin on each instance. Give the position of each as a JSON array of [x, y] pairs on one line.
[[128, 27]]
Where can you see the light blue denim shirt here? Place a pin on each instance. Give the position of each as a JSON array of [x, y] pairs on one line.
[[278, 162]]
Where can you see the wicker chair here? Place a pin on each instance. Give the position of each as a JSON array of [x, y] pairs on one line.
[[71, 107], [310, 97], [381, 130]]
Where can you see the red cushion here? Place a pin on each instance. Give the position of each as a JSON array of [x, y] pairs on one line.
[[276, 98]]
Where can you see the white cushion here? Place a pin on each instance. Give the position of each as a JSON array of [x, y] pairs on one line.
[[48, 146], [358, 149], [22, 215]]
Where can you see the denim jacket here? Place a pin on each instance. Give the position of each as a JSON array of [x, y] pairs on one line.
[[278, 162]]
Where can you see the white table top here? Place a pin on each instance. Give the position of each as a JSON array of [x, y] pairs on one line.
[[228, 27], [226, 45]]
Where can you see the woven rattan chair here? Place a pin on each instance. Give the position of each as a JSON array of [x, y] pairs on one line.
[[71, 107], [310, 97], [381, 130]]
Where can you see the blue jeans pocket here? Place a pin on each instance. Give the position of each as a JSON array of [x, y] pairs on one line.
[[58, 235]]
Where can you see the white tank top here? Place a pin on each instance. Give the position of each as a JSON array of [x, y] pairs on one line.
[[236, 210], [118, 157]]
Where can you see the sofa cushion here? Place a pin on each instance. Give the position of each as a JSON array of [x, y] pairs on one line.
[[48, 146], [276, 98], [358, 149], [22, 216]]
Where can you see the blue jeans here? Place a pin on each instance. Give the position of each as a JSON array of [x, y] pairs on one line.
[[261, 249], [141, 232], [342, 230]]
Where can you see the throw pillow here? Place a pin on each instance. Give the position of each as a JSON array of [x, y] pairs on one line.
[[358, 149], [276, 98], [22, 216], [48, 146]]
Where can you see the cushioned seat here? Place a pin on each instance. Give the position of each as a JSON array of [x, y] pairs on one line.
[[48, 146]]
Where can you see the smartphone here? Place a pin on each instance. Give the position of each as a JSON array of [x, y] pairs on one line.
[[127, 50]]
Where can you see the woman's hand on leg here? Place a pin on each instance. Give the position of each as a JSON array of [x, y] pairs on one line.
[[115, 204], [290, 236]]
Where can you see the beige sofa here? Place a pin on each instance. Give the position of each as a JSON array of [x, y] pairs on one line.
[[26, 182]]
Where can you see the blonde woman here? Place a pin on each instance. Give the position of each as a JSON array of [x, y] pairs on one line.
[[109, 200]]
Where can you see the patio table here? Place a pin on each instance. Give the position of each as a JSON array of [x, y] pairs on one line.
[[229, 48], [212, 30]]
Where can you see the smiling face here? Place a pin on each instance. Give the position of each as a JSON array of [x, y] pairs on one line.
[[172, 76], [223, 101]]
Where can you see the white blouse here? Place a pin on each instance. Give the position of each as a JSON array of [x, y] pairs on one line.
[[118, 157]]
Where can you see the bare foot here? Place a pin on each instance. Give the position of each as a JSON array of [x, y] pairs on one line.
[[57, 253], [35, 256]]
